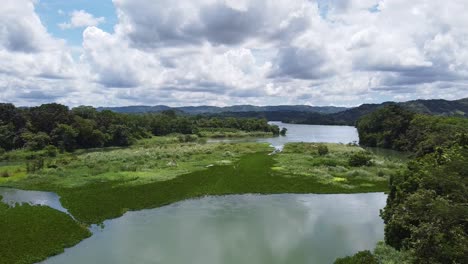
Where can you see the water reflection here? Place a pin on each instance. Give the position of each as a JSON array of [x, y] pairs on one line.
[[305, 133], [238, 229], [13, 196]]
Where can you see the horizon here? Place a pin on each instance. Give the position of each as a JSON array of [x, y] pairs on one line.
[[225, 106], [116, 53]]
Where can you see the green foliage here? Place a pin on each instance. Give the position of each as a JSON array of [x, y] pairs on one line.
[[283, 131], [51, 151], [64, 136], [322, 150], [362, 257], [84, 127], [384, 127], [426, 208], [35, 141], [395, 128], [360, 159], [383, 254], [30, 234]]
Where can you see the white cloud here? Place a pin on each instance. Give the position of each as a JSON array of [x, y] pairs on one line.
[[80, 19], [224, 52]]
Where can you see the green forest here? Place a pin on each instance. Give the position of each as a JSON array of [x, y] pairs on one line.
[[426, 213], [56, 126]]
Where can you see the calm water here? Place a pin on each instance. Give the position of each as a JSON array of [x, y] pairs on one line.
[[275, 229], [305, 133], [238, 229], [13, 196]]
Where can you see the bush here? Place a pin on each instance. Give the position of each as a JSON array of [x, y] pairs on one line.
[[283, 131], [359, 159], [51, 151], [362, 257], [322, 150], [5, 174]]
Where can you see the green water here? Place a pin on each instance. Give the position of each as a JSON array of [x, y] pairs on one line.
[[268, 229]]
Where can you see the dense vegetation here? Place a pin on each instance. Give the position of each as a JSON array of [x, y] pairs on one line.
[[101, 184], [32, 233], [84, 127], [397, 128], [426, 212]]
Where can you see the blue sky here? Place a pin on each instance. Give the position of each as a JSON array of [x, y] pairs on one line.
[[54, 12], [224, 52]]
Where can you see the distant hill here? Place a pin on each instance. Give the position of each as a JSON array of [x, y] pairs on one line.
[[304, 114], [194, 110], [431, 107]]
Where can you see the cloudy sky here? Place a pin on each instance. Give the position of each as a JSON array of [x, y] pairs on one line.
[[224, 52]]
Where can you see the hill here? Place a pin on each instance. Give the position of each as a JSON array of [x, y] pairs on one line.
[[194, 110]]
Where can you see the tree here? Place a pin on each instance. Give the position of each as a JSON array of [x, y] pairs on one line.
[[46, 117], [283, 131], [362, 257], [121, 135], [385, 127], [64, 136], [35, 141], [426, 208]]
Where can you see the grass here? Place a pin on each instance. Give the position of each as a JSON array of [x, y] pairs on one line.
[[96, 185], [231, 133], [302, 160], [157, 159], [100, 184], [32, 233], [253, 173]]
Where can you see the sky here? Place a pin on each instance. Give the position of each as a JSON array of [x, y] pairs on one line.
[[227, 52]]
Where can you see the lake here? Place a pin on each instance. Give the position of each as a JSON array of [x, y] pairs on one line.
[[304, 133], [284, 228]]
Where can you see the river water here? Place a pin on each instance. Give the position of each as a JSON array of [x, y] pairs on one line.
[[268, 229], [304, 133], [286, 228]]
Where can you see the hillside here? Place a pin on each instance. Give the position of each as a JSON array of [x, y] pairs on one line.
[[304, 114], [194, 110]]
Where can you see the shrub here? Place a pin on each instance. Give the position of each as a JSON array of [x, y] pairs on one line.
[[51, 151], [362, 257], [283, 131], [322, 150], [5, 174], [359, 159]]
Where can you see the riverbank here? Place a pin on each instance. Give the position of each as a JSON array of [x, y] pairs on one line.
[[103, 184]]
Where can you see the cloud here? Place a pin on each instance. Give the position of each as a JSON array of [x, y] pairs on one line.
[[222, 52], [150, 25], [80, 19]]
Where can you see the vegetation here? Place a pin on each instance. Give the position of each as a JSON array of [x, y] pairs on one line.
[[360, 159], [303, 114], [426, 212], [302, 160], [427, 208], [382, 254], [96, 185], [362, 257], [396, 128], [32, 233], [37, 128]]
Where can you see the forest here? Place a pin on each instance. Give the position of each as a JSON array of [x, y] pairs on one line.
[[56, 126], [426, 212]]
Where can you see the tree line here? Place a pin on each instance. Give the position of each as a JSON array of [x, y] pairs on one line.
[[36, 128], [426, 216]]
